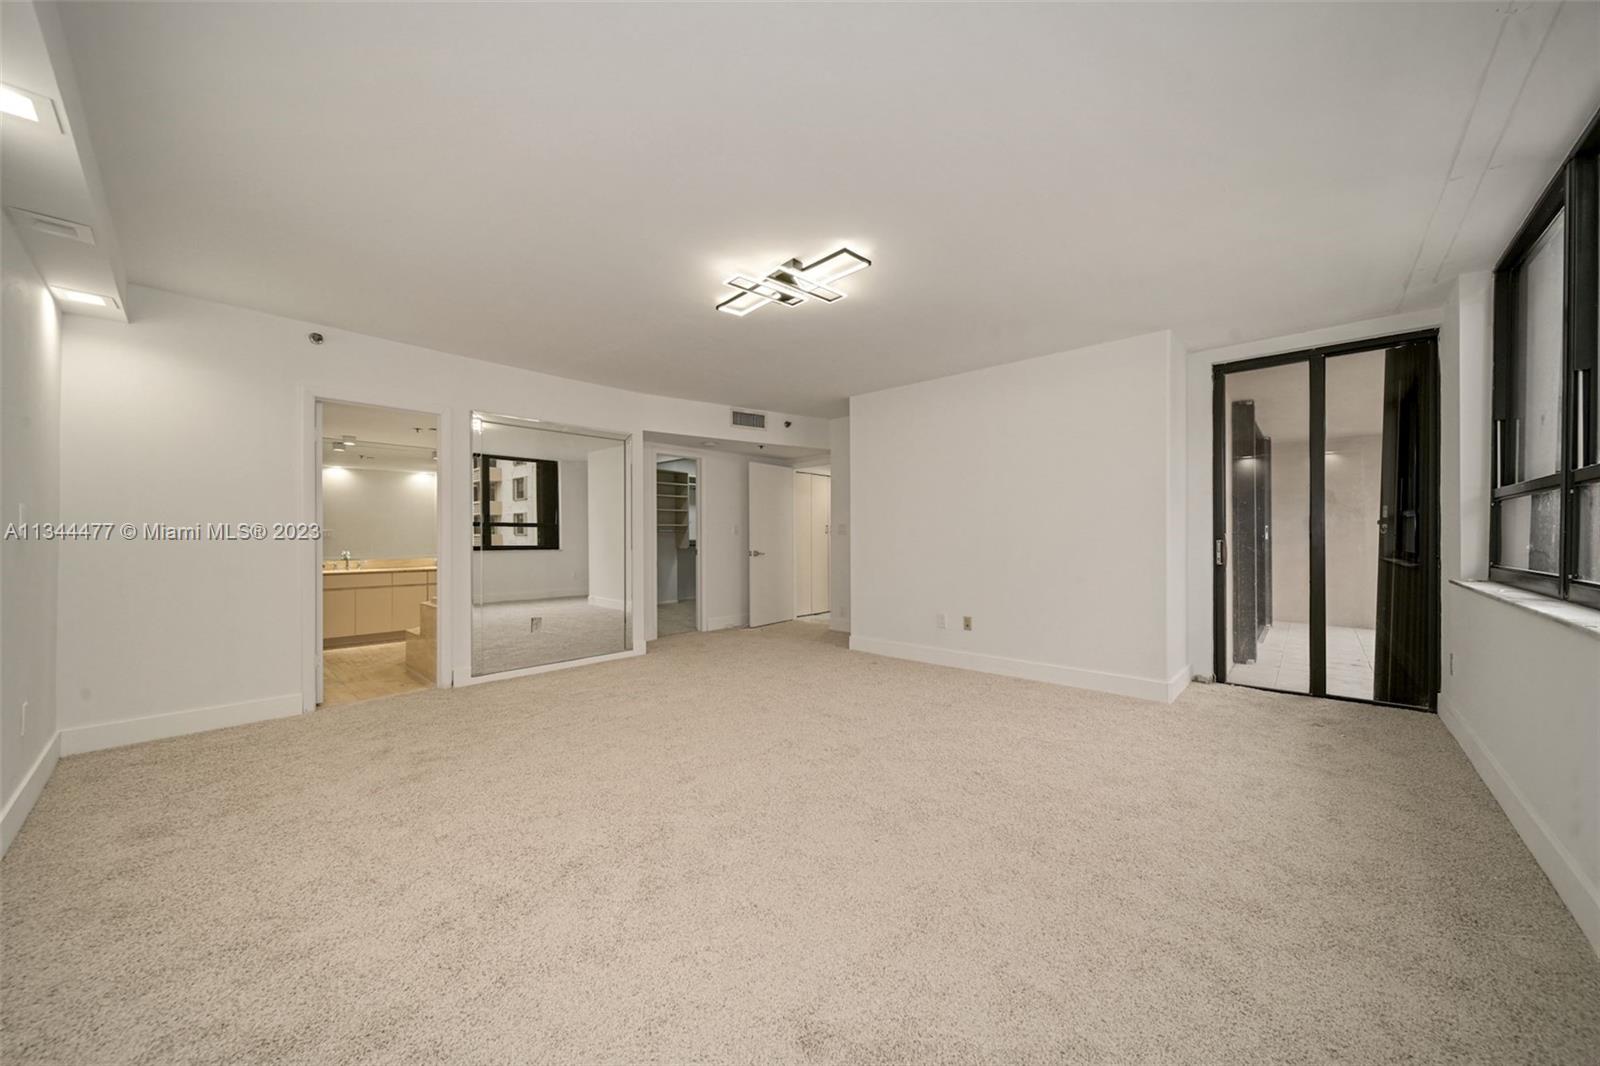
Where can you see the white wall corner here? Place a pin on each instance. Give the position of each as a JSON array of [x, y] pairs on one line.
[[100, 735], [1158, 691], [1566, 875], [27, 792]]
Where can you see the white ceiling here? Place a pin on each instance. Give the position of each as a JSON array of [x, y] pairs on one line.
[[47, 171], [563, 187], [380, 425], [386, 438]]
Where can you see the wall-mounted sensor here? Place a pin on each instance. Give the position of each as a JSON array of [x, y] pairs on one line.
[[314, 338]]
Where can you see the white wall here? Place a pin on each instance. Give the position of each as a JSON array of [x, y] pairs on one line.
[[222, 629], [378, 514], [30, 436], [607, 528], [839, 578], [1521, 691], [1045, 499]]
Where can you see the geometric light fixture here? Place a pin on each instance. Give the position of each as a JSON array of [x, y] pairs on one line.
[[793, 283]]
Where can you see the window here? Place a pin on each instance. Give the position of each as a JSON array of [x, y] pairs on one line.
[[535, 483], [1544, 528]]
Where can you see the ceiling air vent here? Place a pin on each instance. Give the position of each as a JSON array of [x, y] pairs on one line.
[[749, 420]]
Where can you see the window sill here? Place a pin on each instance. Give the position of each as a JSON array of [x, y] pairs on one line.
[[1575, 615]]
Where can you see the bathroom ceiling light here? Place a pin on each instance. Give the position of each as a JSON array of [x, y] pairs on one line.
[[792, 282], [88, 299]]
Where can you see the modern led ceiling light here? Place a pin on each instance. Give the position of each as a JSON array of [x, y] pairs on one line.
[[793, 283]]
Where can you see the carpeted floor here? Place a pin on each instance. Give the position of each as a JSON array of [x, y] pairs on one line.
[[569, 628], [674, 618], [754, 846]]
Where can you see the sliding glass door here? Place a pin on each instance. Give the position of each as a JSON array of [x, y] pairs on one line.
[[1326, 521]]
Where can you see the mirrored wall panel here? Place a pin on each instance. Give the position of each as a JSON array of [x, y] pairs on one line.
[[1267, 475], [549, 544]]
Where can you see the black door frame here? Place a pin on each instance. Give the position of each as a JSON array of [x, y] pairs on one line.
[[1316, 362]]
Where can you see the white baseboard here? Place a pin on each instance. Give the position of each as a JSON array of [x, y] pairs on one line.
[[727, 621], [1098, 680], [94, 737], [21, 800], [1576, 891], [605, 601], [1179, 681]]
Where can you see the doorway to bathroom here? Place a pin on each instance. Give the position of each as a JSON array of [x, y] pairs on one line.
[[378, 500], [1326, 521], [678, 520]]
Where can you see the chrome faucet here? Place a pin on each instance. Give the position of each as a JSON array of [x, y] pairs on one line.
[[345, 555]]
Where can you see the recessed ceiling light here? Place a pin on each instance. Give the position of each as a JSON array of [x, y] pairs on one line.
[[89, 299], [792, 283], [55, 227], [18, 103]]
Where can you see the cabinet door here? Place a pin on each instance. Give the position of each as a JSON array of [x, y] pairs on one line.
[[338, 613], [821, 511], [374, 611], [408, 605]]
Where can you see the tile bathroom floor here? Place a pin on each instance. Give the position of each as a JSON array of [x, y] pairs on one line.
[[366, 672], [1283, 661]]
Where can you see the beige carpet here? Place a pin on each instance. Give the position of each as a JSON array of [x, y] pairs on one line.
[[754, 846]]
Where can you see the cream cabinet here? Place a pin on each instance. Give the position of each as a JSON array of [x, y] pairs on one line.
[[373, 604], [338, 613]]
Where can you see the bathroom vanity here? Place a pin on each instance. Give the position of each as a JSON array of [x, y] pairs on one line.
[[375, 601]]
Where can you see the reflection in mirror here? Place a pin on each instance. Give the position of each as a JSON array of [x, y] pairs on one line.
[[549, 561]]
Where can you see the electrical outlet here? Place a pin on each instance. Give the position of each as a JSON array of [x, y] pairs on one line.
[[966, 622], [941, 621]]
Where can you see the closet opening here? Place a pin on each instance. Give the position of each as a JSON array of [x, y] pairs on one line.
[[677, 546]]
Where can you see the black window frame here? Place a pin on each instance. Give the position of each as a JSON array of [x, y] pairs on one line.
[[1575, 189], [547, 506]]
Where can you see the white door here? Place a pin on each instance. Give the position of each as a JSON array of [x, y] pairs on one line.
[[821, 508], [802, 544], [771, 544]]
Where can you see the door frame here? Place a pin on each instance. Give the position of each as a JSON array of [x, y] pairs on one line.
[[1316, 361], [655, 453], [311, 401]]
